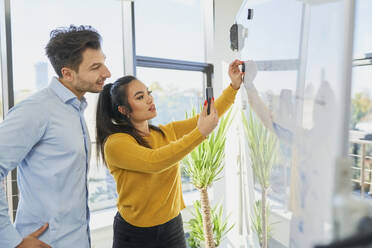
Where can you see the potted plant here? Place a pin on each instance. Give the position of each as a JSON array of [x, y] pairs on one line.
[[195, 225], [203, 165]]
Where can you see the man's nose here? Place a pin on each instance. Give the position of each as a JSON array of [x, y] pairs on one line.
[[106, 72]]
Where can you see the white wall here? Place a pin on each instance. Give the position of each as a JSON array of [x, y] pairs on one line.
[[227, 188]]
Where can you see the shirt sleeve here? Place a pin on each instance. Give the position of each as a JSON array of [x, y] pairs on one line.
[[259, 107], [19, 132], [222, 104], [123, 151]]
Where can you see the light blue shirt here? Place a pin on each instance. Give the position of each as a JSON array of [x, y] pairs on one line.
[[46, 137]]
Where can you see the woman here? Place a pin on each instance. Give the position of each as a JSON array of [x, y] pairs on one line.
[[144, 159]]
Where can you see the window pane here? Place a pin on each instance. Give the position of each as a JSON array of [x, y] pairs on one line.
[[276, 88], [281, 102], [361, 100], [279, 20], [363, 31], [304, 110], [1, 95], [32, 70], [175, 93], [102, 187], [169, 29], [2, 182]]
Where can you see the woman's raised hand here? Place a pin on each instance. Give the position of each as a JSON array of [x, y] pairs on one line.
[[235, 74], [206, 123]]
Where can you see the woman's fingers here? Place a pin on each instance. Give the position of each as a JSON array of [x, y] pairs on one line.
[[204, 111], [234, 66], [213, 108]]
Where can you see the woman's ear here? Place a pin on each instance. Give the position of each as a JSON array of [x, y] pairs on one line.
[[122, 110]]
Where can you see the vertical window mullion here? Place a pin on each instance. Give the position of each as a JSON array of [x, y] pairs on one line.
[[11, 188]]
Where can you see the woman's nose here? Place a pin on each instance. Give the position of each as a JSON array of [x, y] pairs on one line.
[[149, 99]]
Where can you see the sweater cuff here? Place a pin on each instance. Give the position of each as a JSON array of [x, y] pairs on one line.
[[230, 92], [196, 135]]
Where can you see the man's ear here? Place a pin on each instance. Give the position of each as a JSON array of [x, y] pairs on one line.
[[67, 74]]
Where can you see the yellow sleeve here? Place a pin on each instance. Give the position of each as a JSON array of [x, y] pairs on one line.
[[123, 151], [222, 104]]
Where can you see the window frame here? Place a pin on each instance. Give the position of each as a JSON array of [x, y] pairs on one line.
[[11, 187]]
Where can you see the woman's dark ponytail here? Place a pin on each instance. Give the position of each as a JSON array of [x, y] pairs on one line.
[[104, 116]]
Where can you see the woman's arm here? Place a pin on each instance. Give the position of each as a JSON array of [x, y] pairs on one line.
[[122, 151], [222, 104]]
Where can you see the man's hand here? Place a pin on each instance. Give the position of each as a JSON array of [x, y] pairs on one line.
[[32, 241], [250, 71]]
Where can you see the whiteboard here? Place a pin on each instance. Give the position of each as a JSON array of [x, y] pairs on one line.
[[300, 49]]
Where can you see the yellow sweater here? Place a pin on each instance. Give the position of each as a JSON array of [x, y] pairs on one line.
[[149, 180]]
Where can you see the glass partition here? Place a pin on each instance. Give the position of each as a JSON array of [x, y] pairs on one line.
[[170, 29], [299, 49]]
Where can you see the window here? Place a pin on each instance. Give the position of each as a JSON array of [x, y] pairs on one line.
[[178, 45], [304, 105], [169, 29], [2, 182], [32, 70], [1, 94], [276, 80], [363, 32], [282, 20], [361, 101], [175, 94]]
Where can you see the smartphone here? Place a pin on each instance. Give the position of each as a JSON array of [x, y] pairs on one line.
[[209, 96]]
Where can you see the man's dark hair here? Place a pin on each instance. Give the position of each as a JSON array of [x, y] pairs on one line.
[[67, 44]]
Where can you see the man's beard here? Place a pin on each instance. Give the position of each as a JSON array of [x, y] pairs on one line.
[[86, 86]]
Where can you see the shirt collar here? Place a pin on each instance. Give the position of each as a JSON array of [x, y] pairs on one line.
[[65, 94]]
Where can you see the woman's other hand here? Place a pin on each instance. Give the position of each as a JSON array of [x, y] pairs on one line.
[[235, 74], [206, 123]]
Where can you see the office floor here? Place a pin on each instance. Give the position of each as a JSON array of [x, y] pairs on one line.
[[102, 238]]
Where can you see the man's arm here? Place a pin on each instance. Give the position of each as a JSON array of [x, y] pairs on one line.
[[255, 101], [19, 132], [260, 108]]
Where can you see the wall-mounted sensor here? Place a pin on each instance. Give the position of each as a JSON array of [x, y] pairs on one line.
[[238, 33], [250, 14], [234, 36]]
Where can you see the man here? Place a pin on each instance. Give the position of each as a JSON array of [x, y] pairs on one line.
[[46, 137]]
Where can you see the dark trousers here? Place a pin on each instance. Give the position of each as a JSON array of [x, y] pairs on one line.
[[167, 235]]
